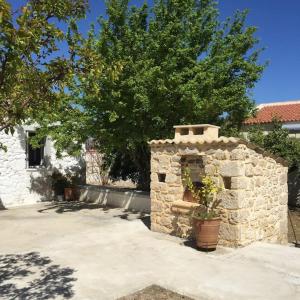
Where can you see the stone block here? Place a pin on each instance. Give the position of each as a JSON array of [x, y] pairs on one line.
[[257, 171], [249, 171], [239, 183], [229, 199], [283, 178], [167, 221], [176, 158], [164, 162], [230, 232], [171, 178], [260, 181], [238, 154], [239, 216], [283, 199], [157, 206], [158, 228], [232, 169], [233, 217], [220, 155], [210, 170], [188, 151]]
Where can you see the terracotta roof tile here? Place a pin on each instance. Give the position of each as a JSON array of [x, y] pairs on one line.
[[220, 140], [285, 112]]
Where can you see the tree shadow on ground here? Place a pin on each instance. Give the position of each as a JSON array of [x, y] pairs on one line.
[[72, 206], [131, 215], [75, 206], [30, 276]]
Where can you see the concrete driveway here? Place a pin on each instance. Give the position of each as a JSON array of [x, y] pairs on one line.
[[78, 252]]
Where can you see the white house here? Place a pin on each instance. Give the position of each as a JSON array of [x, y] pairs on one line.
[[25, 173]]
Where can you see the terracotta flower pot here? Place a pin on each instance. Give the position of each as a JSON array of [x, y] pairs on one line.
[[188, 197], [207, 233], [70, 193]]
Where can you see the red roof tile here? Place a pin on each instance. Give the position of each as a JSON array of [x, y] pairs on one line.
[[285, 112]]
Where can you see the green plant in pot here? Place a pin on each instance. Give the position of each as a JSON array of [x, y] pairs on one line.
[[65, 184], [206, 217], [59, 183]]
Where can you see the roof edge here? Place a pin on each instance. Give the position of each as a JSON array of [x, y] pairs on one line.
[[195, 125], [222, 140]]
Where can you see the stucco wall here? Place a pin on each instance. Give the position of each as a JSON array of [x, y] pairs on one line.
[[133, 200], [19, 185], [253, 208]]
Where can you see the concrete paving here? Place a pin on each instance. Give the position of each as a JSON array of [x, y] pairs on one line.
[[49, 252]]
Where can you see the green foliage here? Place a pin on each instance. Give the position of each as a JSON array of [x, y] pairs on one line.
[[205, 196], [278, 142], [172, 64], [31, 74]]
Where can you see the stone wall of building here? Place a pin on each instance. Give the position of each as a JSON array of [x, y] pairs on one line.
[[94, 172], [20, 185], [253, 198]]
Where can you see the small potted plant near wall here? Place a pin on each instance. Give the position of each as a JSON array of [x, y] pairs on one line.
[[64, 185], [206, 217]]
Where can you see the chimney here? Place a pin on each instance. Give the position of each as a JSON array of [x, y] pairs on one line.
[[193, 132]]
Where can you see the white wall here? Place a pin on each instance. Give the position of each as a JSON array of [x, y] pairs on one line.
[[19, 185], [130, 199]]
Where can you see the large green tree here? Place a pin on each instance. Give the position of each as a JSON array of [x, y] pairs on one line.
[[180, 65], [31, 71]]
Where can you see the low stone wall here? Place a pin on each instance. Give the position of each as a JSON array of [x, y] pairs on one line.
[[253, 200], [124, 198]]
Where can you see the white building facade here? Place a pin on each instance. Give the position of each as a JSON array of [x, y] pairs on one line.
[[26, 173]]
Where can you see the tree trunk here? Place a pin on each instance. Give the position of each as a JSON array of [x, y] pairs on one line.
[[142, 161]]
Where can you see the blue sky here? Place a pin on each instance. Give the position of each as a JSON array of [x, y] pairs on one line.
[[278, 25]]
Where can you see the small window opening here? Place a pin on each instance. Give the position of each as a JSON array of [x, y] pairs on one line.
[[184, 131], [161, 177], [35, 156], [198, 131], [227, 183]]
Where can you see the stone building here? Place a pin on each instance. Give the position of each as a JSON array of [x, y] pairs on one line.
[[26, 173], [254, 185]]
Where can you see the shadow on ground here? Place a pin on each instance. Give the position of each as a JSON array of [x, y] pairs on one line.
[[193, 244], [30, 276], [75, 206]]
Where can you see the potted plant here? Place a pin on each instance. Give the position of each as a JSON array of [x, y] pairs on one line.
[[205, 216], [64, 184]]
